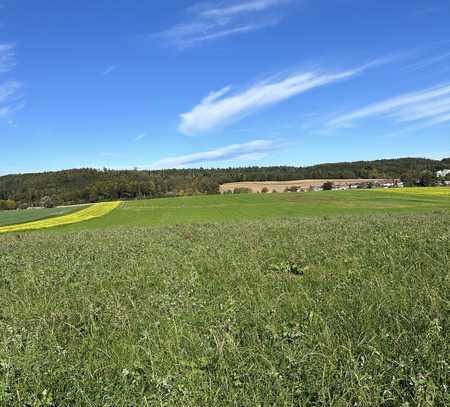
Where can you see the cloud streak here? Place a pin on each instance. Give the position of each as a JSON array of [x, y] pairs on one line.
[[241, 8], [430, 106], [11, 98], [221, 20], [429, 62], [10, 91], [7, 57], [217, 109], [109, 69], [250, 151]]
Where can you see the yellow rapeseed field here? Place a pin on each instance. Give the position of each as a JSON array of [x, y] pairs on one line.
[[94, 211], [428, 191]]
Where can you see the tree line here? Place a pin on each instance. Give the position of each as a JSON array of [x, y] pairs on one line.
[[92, 185]]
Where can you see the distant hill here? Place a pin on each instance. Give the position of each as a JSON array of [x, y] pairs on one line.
[[91, 185]]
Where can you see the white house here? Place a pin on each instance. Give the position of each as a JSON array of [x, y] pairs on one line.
[[443, 173]]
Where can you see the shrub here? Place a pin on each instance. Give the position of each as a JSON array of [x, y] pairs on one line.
[[241, 191], [327, 186], [427, 179], [265, 190], [8, 205], [47, 202]]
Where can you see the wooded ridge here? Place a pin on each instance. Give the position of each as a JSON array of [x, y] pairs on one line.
[[93, 185]]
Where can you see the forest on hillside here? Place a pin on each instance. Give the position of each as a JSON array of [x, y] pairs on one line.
[[92, 185]]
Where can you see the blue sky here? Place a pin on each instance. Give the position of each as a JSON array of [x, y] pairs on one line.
[[177, 83]]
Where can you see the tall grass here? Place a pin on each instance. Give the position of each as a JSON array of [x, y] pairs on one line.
[[211, 315]]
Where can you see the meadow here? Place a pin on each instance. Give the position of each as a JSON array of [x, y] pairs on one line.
[[235, 207], [336, 299]]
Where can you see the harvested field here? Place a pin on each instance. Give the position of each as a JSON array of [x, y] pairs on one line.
[[280, 186]]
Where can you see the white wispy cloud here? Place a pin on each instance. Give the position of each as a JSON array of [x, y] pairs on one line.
[[7, 57], [140, 136], [217, 110], [9, 91], [109, 69], [226, 10], [6, 112], [222, 19], [429, 106], [425, 63], [11, 97], [423, 110], [445, 118], [217, 34], [253, 150]]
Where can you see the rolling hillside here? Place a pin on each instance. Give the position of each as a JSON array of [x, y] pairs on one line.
[[90, 185]]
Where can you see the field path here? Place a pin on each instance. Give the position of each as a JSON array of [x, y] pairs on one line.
[[94, 211]]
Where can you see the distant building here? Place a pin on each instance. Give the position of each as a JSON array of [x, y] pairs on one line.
[[443, 173], [388, 185]]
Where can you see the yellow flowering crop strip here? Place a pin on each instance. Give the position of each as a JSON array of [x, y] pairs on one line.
[[94, 211], [424, 191]]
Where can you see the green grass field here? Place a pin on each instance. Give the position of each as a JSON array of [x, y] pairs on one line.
[[29, 215], [317, 299], [224, 208]]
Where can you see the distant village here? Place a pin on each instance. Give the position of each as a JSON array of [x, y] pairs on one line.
[[443, 174], [320, 184]]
